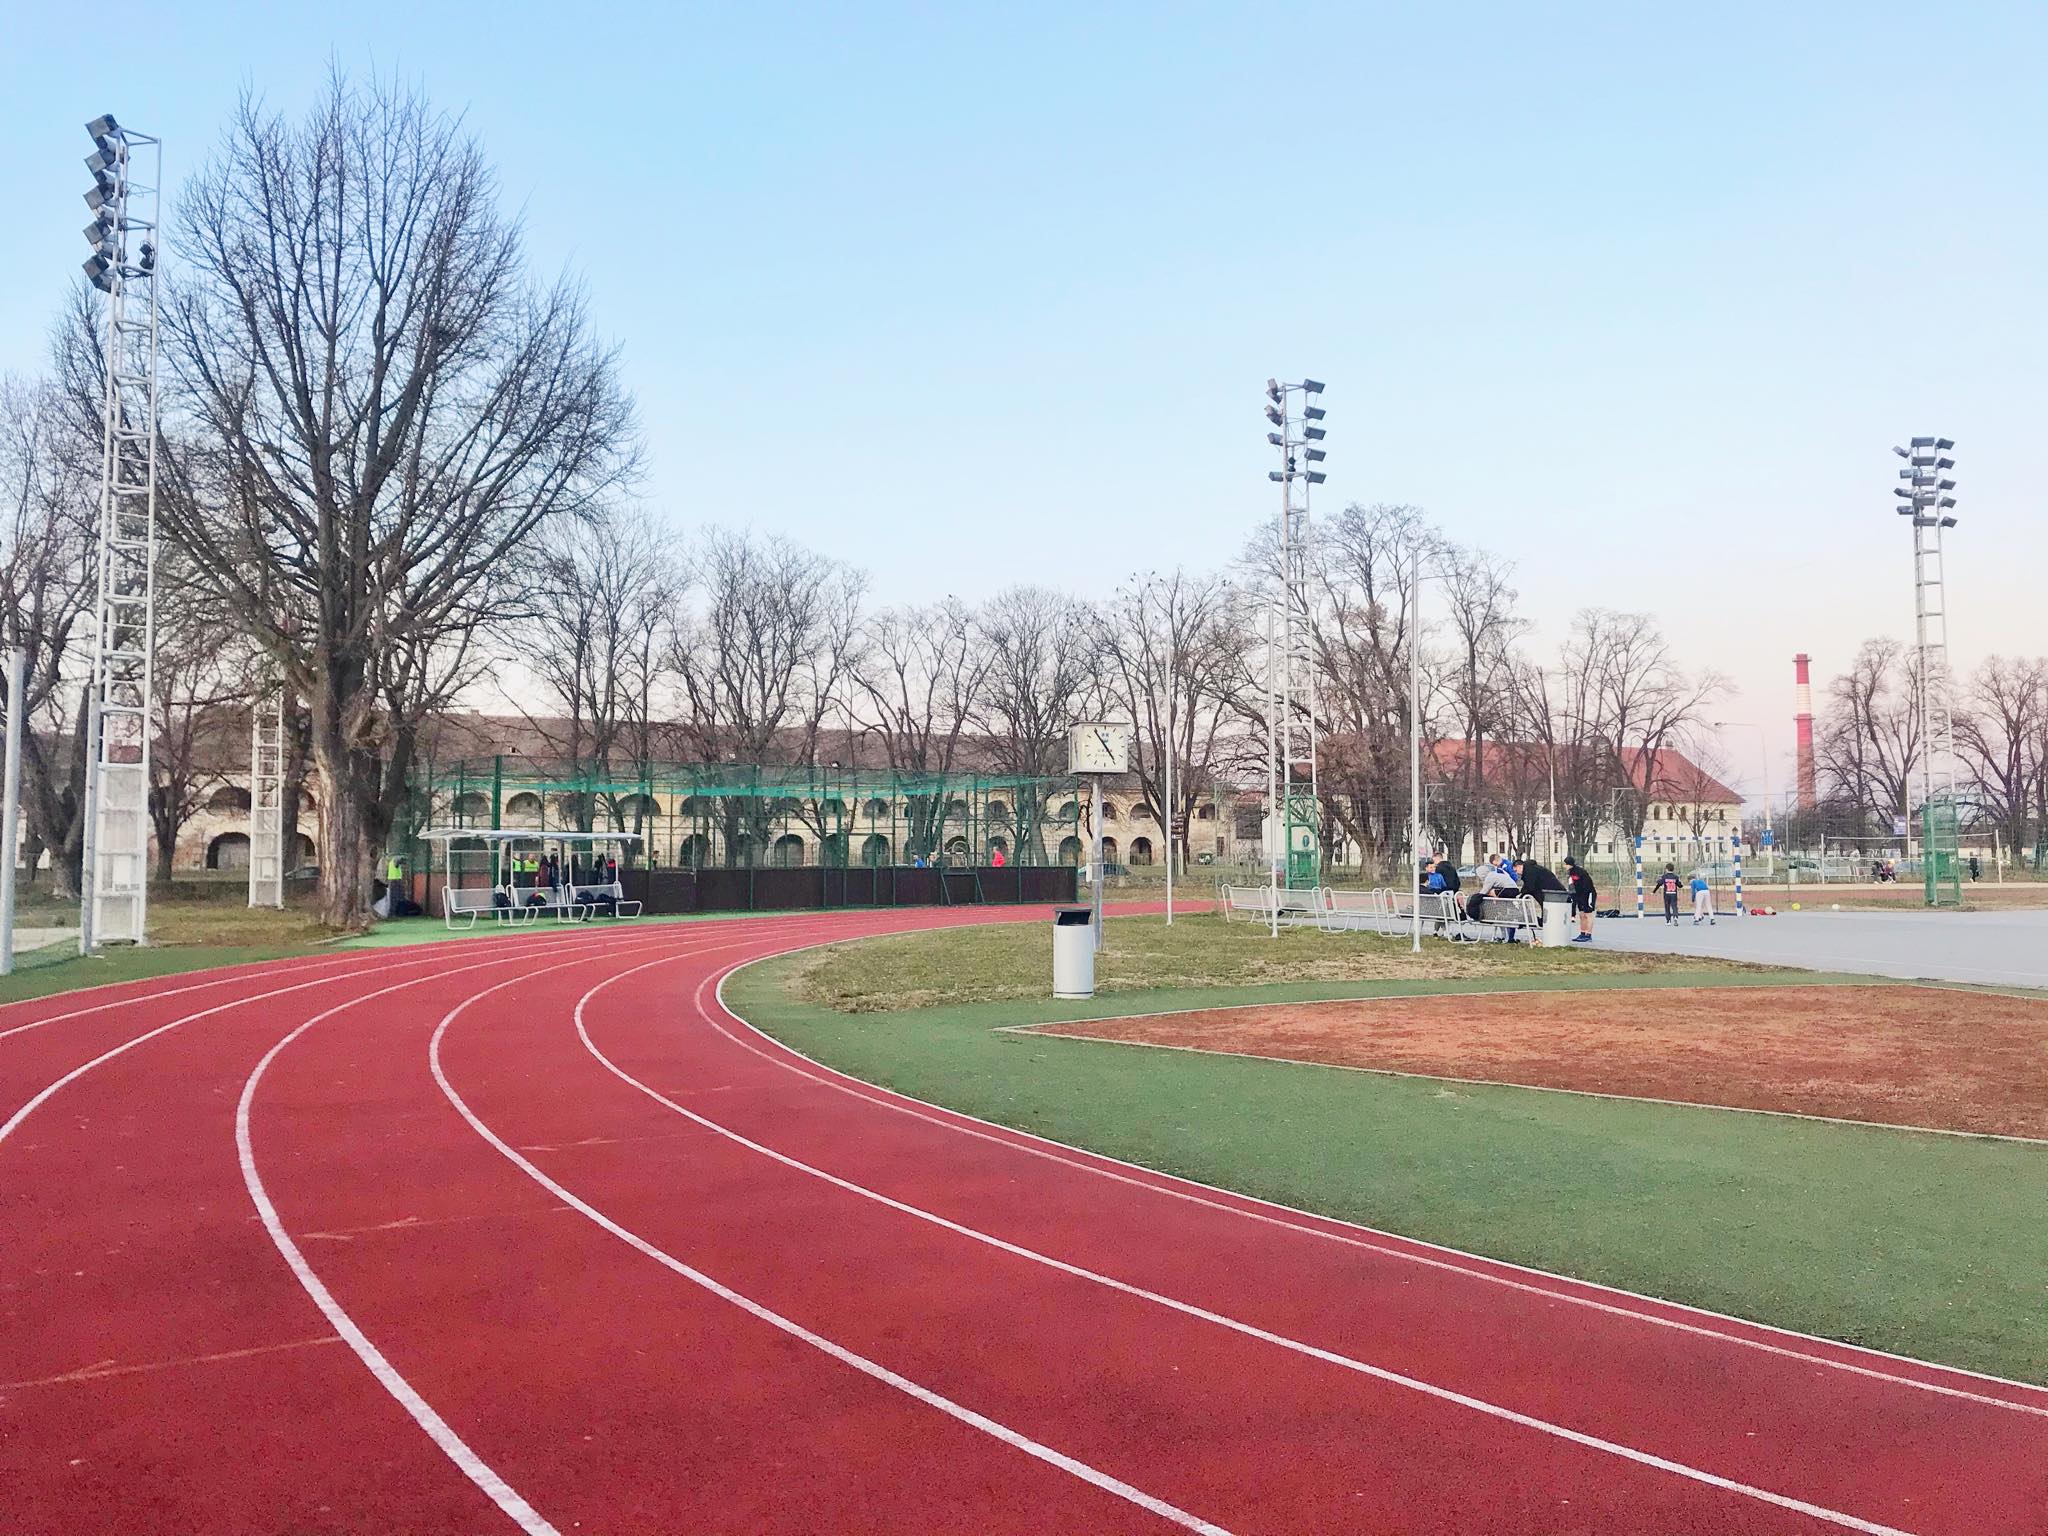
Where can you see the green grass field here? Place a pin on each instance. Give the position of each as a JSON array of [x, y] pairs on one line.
[[1927, 1245]]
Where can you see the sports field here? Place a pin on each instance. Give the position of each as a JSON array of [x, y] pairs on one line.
[[537, 1233]]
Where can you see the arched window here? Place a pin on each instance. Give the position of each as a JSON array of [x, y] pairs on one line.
[[874, 851], [1109, 850], [646, 807], [998, 811], [1205, 813], [876, 809], [695, 851], [1069, 811], [1070, 850], [956, 848], [1108, 811], [228, 851], [789, 851], [1142, 812], [832, 850], [956, 810], [524, 806], [471, 806], [1141, 850], [694, 806], [228, 800], [302, 852]]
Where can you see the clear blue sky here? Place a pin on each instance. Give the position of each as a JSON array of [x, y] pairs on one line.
[[1637, 295]]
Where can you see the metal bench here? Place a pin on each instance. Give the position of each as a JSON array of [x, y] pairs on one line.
[[1500, 916], [1439, 909], [1354, 911], [1260, 901], [610, 898]]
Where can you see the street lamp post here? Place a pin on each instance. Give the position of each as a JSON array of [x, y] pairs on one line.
[[1764, 755]]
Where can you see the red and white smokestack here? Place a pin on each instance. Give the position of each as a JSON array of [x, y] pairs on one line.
[[1802, 720]]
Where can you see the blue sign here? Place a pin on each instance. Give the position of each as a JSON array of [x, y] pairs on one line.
[[1768, 838]]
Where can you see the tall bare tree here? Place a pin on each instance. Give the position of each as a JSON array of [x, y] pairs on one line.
[[49, 505], [378, 412], [2000, 731], [920, 681], [1042, 679], [761, 648], [1639, 703], [1177, 638], [1867, 749]]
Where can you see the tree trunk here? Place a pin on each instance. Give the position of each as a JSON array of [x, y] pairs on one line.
[[344, 841], [166, 851]]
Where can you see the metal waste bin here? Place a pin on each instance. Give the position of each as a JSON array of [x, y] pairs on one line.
[[1073, 952], [1557, 918]]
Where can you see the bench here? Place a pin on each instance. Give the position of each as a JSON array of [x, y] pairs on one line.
[[1500, 916], [1352, 911], [1439, 909], [610, 898], [1259, 901], [469, 902]]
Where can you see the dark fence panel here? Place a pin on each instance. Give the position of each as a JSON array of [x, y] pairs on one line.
[[671, 890]]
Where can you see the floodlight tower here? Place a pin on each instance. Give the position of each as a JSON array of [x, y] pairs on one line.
[[125, 236], [1295, 815], [1925, 499]]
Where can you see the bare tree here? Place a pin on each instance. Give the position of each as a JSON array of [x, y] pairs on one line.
[[594, 642], [1042, 679], [920, 679], [1639, 702], [1476, 680], [1868, 746], [49, 503], [1177, 637], [206, 682], [379, 413], [761, 649], [2000, 732]]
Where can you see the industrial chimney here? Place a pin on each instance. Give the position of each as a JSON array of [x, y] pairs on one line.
[[1802, 720]]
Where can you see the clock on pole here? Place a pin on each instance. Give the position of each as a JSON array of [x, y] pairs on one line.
[[1098, 747]]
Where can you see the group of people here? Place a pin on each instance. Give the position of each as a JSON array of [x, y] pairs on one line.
[[1501, 877], [539, 872], [1669, 884]]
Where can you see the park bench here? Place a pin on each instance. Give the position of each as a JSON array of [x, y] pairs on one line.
[[1500, 916], [608, 899], [1258, 902], [1439, 909], [1352, 911]]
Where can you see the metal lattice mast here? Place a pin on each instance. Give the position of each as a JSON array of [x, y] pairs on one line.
[[124, 236], [1290, 664], [1926, 499], [266, 799]]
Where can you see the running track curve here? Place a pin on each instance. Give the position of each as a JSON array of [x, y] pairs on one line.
[[532, 1234]]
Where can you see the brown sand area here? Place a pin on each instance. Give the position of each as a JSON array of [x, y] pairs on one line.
[[1899, 1055]]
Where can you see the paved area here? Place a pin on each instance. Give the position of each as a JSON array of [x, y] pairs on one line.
[[1999, 948]]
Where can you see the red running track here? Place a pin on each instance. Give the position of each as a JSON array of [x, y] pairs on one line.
[[532, 1234]]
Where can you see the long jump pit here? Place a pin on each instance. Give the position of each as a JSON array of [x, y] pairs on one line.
[[1920, 1058]]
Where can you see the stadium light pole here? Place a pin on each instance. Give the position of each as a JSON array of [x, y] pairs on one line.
[[1924, 498], [1290, 658], [1763, 748]]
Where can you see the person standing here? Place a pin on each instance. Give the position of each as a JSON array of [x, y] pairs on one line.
[[1541, 882], [1667, 887], [1702, 899], [1583, 894]]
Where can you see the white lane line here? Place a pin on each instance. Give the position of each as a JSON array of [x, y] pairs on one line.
[[506, 948], [796, 1330], [787, 1056], [452, 1445], [1222, 1320], [235, 973]]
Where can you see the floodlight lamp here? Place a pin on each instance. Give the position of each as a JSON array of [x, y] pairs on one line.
[[1316, 455], [1945, 485], [1900, 490], [1948, 522], [1944, 463], [1923, 442], [1901, 453], [148, 257], [1273, 415], [1317, 433], [97, 199], [1316, 477], [1273, 438], [1274, 474], [1314, 412], [103, 126], [1944, 443], [101, 160], [1312, 386], [1922, 460], [1272, 389], [1946, 501]]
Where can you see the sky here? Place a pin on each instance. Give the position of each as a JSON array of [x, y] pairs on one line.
[[1636, 296]]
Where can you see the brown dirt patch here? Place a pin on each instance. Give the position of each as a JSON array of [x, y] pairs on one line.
[[1900, 1055]]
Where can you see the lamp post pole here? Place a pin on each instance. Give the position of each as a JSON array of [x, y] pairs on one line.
[[1415, 741]]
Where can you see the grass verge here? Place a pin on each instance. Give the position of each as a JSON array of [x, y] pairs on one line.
[[1014, 960], [1924, 1245]]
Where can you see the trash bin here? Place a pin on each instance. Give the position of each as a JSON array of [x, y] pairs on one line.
[[1073, 952], [1557, 918]]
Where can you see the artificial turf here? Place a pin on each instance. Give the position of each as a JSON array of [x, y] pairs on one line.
[[1927, 1245]]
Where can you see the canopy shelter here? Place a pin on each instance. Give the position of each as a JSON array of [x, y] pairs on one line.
[[520, 876]]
